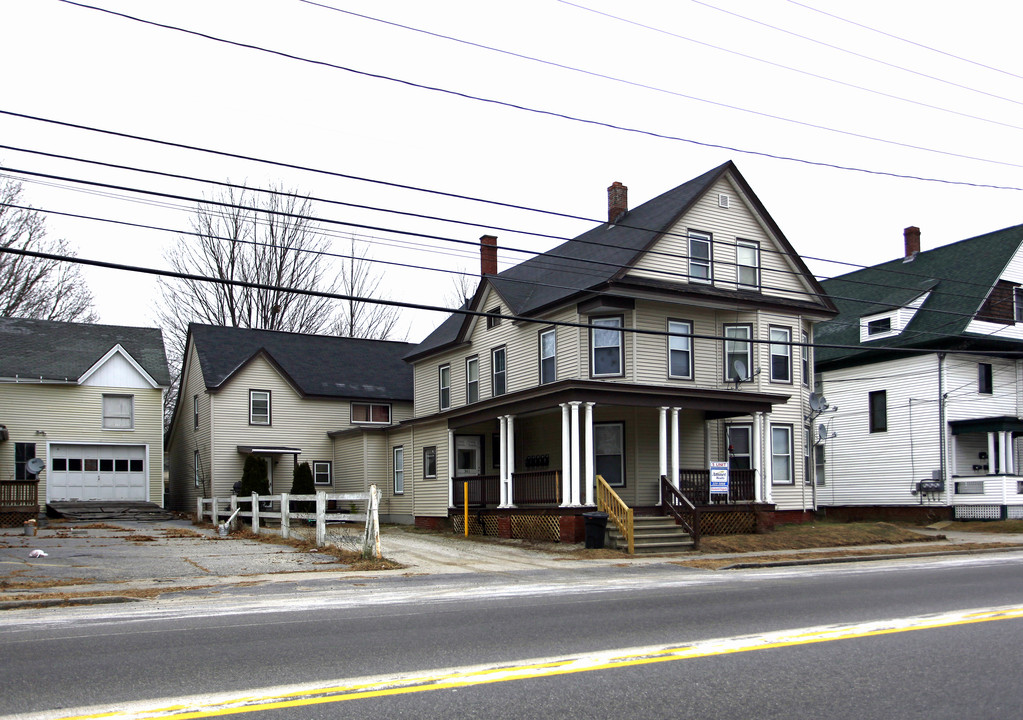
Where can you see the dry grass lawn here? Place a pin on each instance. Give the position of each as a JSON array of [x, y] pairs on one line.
[[815, 535]]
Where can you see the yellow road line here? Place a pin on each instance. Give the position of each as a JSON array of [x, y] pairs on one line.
[[183, 710]]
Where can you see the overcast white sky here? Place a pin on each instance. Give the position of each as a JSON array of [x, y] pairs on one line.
[[78, 65]]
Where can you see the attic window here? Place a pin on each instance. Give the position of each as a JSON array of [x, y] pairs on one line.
[[493, 322], [881, 325]]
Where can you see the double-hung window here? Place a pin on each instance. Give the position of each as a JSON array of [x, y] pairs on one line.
[[472, 379], [609, 452], [781, 354], [499, 371], [738, 352], [606, 347], [740, 447], [747, 263], [806, 359], [197, 469], [700, 267], [430, 461], [321, 472], [398, 456], [984, 382], [195, 412], [23, 452], [878, 410], [680, 349], [781, 455], [444, 383], [379, 413], [548, 356], [118, 412], [259, 407]]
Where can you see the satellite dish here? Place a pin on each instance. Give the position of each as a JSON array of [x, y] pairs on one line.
[[34, 466], [822, 402], [815, 402], [740, 370], [822, 431]]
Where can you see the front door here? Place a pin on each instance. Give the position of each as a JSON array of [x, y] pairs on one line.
[[468, 455]]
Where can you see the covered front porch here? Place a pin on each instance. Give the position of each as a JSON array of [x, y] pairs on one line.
[[533, 466], [986, 484]]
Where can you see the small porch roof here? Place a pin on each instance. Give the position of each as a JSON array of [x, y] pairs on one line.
[[268, 450], [1005, 423], [715, 403]]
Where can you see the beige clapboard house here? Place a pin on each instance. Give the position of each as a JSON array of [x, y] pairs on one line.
[[275, 395], [671, 337], [81, 413]]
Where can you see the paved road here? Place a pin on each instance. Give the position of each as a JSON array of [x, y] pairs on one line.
[[332, 632]]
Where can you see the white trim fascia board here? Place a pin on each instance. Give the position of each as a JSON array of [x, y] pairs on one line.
[[37, 380], [124, 353]]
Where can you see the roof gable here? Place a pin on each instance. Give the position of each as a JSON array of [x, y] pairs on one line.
[[118, 369]]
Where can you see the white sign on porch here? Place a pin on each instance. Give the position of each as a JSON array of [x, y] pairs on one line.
[[719, 478]]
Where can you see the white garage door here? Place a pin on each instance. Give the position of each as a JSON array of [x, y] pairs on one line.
[[97, 472]]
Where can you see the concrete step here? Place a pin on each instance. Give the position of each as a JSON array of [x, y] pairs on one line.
[[651, 534]]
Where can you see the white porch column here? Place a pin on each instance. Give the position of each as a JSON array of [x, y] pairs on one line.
[[763, 435], [674, 448], [1010, 458], [566, 458], [510, 451], [991, 455], [451, 468], [502, 481], [953, 446], [1004, 443], [576, 470], [662, 450], [588, 475], [758, 491]]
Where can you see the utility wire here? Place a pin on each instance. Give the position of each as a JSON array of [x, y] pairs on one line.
[[654, 88], [552, 113]]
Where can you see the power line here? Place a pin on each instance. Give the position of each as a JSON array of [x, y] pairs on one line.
[[674, 93], [549, 113]]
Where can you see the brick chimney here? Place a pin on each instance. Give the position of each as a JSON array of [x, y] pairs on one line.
[[912, 235], [488, 255], [617, 202]]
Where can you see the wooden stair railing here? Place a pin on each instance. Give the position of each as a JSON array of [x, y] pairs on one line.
[[675, 504], [616, 509]]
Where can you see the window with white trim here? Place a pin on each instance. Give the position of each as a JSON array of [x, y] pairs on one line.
[[747, 263], [609, 452], [444, 386], [606, 347], [700, 266], [373, 413], [548, 356], [321, 472], [196, 469], [806, 359], [259, 407], [118, 412], [472, 379], [195, 412], [680, 349], [738, 348], [740, 455], [781, 354], [23, 452], [498, 371], [493, 317], [430, 461], [781, 455], [398, 467]]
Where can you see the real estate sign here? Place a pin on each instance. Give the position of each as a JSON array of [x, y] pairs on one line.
[[719, 478]]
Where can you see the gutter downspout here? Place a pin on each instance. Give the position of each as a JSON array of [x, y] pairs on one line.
[[941, 420]]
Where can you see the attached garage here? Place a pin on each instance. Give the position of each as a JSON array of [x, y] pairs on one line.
[[97, 472]]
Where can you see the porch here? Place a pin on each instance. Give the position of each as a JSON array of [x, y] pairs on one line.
[[19, 501], [987, 497]]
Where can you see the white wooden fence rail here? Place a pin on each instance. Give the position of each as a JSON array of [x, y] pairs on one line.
[[217, 508]]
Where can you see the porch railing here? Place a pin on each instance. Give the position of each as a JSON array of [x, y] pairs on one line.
[[17, 494], [695, 484], [675, 504], [540, 487], [617, 511], [483, 490]]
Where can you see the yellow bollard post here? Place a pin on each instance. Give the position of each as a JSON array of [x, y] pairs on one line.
[[465, 497]]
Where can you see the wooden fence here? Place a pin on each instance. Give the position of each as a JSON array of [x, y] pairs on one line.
[[278, 507]]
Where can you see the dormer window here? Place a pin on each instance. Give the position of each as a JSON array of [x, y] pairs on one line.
[[879, 326]]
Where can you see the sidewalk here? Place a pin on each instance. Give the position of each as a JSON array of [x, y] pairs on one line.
[[129, 561]]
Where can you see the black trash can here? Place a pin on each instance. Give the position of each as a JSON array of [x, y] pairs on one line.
[[596, 523]]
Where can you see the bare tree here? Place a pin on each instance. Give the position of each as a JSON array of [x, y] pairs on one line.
[[357, 318], [463, 286], [36, 287]]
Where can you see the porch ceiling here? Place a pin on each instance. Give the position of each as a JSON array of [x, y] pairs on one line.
[[986, 425], [715, 403]]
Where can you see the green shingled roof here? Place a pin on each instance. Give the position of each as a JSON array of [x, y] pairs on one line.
[[958, 276]]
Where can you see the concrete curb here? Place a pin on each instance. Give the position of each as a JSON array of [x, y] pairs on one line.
[[56, 602], [865, 558]]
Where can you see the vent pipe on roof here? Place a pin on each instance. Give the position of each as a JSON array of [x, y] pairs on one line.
[[617, 202], [912, 236], [488, 255]]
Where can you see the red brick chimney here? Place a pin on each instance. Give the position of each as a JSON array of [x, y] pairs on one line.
[[488, 255], [912, 235], [617, 202]]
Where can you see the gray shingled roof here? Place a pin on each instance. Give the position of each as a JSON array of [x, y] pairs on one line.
[[65, 351], [598, 256], [959, 277], [317, 365]]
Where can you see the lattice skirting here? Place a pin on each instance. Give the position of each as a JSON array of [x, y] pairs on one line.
[[544, 528], [1015, 512], [15, 518], [739, 522], [977, 512]]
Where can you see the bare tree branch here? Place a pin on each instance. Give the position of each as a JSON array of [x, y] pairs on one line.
[[360, 319]]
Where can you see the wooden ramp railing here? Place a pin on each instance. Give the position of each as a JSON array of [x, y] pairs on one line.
[[675, 504], [618, 512]]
